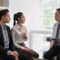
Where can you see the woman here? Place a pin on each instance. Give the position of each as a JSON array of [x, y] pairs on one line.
[[19, 33]]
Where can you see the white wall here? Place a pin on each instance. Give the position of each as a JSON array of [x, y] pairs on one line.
[[31, 9]]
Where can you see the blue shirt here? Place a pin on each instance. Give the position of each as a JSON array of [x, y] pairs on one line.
[[6, 38]]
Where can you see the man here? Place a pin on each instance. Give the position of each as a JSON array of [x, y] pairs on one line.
[[7, 50], [6, 43], [55, 49]]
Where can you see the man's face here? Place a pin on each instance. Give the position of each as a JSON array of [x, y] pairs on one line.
[[57, 16], [6, 18]]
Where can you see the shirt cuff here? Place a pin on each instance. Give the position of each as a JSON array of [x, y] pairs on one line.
[[8, 52]]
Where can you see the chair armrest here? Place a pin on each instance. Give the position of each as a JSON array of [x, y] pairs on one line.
[[49, 39]]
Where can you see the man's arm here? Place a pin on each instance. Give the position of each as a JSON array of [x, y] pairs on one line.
[[12, 47]]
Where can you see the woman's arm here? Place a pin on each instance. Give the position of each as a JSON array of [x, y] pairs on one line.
[[16, 45]]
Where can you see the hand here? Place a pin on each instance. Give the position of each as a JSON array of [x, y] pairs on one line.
[[14, 53], [24, 35]]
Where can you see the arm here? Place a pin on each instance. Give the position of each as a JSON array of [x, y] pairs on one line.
[[2, 49], [53, 36], [17, 45]]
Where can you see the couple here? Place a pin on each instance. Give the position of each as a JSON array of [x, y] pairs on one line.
[[12, 46]]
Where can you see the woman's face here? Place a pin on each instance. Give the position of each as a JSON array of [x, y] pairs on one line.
[[22, 19]]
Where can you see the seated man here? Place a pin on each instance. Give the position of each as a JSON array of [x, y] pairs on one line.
[[55, 48], [7, 51]]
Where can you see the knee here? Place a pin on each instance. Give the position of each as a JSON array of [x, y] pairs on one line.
[[23, 57], [45, 56], [10, 58], [36, 55]]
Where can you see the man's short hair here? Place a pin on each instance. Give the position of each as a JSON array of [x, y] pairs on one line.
[[58, 9], [3, 12]]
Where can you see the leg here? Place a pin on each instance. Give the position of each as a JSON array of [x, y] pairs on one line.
[[51, 53], [58, 57], [10, 58], [35, 54], [27, 56], [23, 56]]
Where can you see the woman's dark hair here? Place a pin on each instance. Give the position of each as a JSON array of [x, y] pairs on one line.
[[3, 12], [16, 16]]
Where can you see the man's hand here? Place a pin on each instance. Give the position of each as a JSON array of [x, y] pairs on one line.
[[14, 53]]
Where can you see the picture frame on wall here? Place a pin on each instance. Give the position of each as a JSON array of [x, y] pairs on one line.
[[4, 3]]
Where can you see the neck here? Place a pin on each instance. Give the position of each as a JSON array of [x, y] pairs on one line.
[[2, 23]]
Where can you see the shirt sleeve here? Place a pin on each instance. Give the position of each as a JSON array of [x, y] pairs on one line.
[[17, 45], [53, 32]]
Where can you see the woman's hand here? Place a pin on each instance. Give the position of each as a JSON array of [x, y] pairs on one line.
[[24, 35]]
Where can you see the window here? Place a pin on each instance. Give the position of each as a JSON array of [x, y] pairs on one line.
[[38, 38], [49, 8]]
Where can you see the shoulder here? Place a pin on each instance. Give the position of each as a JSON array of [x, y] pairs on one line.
[[14, 28], [7, 27], [55, 24]]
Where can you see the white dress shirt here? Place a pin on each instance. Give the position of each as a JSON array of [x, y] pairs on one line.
[[54, 33], [6, 37], [55, 30], [16, 33]]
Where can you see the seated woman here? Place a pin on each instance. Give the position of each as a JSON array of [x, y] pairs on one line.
[[19, 33]]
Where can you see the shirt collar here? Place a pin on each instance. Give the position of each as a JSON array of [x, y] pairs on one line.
[[3, 26]]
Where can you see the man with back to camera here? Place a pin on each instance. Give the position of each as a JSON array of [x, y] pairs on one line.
[[55, 49]]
